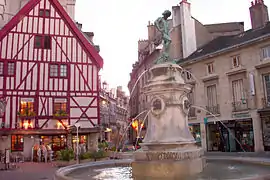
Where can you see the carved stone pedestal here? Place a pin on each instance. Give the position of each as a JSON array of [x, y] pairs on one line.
[[168, 149]]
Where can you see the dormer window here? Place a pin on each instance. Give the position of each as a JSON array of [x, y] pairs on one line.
[[210, 68], [188, 75], [236, 61]]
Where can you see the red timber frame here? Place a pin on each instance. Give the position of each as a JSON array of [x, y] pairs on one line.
[[32, 65]]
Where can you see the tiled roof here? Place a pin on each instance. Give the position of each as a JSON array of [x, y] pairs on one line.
[[224, 43]]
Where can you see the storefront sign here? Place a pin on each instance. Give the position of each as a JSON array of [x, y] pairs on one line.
[[205, 120], [7, 156], [241, 115]]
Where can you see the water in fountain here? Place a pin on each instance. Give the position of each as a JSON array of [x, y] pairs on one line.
[[213, 115]]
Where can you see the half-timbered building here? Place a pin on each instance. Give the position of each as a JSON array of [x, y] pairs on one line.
[[48, 78]]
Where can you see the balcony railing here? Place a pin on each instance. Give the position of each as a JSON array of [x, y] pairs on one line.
[[213, 109], [239, 105], [192, 112], [265, 103]]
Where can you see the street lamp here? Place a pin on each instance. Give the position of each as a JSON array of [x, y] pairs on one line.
[[77, 125]]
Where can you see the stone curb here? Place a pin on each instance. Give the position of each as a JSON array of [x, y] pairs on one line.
[[62, 172]]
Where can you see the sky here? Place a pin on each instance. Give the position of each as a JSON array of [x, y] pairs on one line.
[[119, 24]]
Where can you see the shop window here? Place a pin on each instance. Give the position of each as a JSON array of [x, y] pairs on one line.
[[27, 107], [42, 42], [1, 68], [82, 143], [58, 71], [16, 143]]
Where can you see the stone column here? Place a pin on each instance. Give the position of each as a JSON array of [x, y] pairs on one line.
[[69, 141], [203, 136], [257, 131], [92, 142]]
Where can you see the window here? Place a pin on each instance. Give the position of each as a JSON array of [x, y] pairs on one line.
[[44, 12], [60, 104], [239, 100], [267, 89], [265, 52], [188, 74], [1, 68], [11, 69], [212, 105], [236, 61], [210, 68], [16, 143], [38, 42], [42, 42], [58, 70], [53, 70], [47, 42], [27, 107], [63, 70]]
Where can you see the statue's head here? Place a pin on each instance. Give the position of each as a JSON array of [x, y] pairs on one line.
[[166, 14]]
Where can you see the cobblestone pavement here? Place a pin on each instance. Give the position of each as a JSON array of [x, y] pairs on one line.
[[29, 171]]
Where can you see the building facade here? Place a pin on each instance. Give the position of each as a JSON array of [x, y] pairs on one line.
[[114, 113], [228, 68], [48, 78]]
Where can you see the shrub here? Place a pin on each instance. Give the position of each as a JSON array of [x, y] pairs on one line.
[[65, 155], [98, 154], [86, 155]]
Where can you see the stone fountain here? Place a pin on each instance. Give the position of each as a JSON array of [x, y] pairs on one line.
[[168, 149]]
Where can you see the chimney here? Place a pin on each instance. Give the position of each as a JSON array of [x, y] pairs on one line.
[[189, 44], [71, 8], [79, 25], [176, 15], [151, 31], [258, 14], [90, 35]]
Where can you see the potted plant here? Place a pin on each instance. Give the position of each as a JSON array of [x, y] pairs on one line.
[[60, 113], [27, 112]]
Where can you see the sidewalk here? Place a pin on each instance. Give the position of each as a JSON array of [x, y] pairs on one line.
[[30, 171]]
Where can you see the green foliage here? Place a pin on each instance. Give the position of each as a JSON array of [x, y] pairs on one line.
[[27, 112], [113, 148], [86, 155], [93, 155], [65, 155], [103, 145], [98, 154], [60, 113]]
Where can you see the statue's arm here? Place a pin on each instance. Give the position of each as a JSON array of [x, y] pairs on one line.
[[157, 23]]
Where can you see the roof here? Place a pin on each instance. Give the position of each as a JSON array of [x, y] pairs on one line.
[[224, 43], [89, 48]]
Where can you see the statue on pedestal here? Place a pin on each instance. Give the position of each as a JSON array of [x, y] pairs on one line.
[[162, 26]]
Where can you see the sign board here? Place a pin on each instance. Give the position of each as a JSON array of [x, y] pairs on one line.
[[7, 156], [241, 115], [205, 120]]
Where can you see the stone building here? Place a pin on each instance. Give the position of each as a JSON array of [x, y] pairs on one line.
[[113, 113], [229, 70]]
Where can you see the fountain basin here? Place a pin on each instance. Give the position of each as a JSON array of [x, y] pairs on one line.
[[222, 168]]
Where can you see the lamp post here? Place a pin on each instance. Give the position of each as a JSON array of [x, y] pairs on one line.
[[77, 125]]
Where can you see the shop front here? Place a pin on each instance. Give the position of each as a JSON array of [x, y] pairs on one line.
[[265, 119], [231, 136], [196, 132]]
